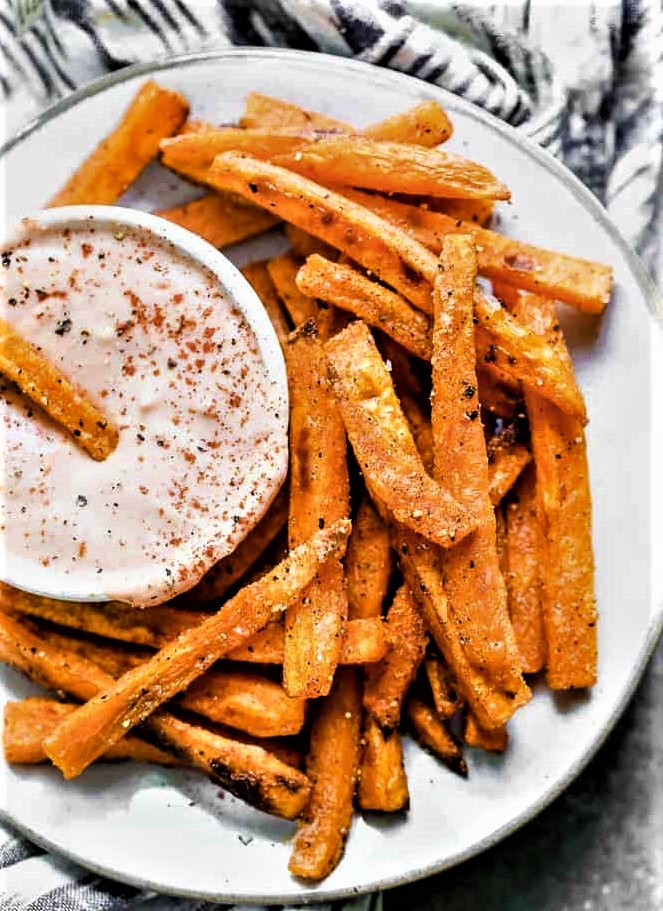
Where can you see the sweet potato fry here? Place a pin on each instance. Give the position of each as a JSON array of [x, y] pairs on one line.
[[247, 701], [565, 510], [220, 219], [494, 741], [198, 150], [382, 440], [371, 241], [154, 113], [154, 626], [386, 683], [305, 244], [421, 427], [473, 581], [363, 643], [382, 785], [106, 718], [582, 283], [258, 277], [434, 736], [499, 393], [319, 495], [525, 556], [368, 563], [393, 167], [526, 356], [231, 569], [48, 387], [505, 466], [283, 271], [425, 124], [348, 289], [443, 686], [474, 211], [29, 722], [267, 113], [332, 766]]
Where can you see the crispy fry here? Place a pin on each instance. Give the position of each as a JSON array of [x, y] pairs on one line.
[[106, 718], [382, 440], [473, 582], [233, 567], [154, 113], [387, 251], [153, 626], [475, 211], [494, 741], [425, 124], [434, 736], [525, 557], [267, 113], [348, 289], [421, 427], [49, 388], [582, 283], [258, 277], [198, 150], [393, 167], [332, 766], [386, 683], [319, 495], [444, 689], [305, 244], [220, 219], [565, 510], [283, 271], [368, 563], [526, 356], [363, 643], [498, 393], [505, 466], [382, 785], [29, 722]]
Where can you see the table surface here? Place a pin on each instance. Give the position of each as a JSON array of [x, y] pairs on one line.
[[599, 847]]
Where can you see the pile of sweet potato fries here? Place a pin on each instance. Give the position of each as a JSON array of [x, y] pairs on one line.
[[289, 673]]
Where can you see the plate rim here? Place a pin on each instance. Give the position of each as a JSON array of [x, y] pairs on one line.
[[654, 301]]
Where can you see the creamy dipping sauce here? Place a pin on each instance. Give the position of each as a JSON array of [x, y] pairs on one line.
[[161, 348]]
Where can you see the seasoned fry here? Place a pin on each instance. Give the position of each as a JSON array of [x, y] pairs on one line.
[[475, 211], [393, 167], [582, 283], [565, 510], [220, 219], [267, 113], [382, 440], [258, 277], [525, 557], [363, 643], [154, 113], [426, 124], [368, 564], [498, 393], [494, 741], [48, 387], [421, 427], [233, 567], [505, 466], [332, 766], [434, 736], [319, 495], [382, 785], [348, 289], [106, 718], [371, 241], [386, 683], [283, 271], [198, 150], [443, 686], [526, 356], [26, 724], [305, 244], [154, 626], [473, 581]]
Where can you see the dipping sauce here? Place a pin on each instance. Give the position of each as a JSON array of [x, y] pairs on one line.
[[154, 340]]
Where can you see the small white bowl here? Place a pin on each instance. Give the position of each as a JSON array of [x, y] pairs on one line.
[[240, 293]]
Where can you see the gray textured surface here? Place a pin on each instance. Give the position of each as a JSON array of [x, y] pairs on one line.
[[599, 847]]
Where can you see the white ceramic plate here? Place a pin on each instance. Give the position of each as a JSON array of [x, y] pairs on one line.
[[174, 831]]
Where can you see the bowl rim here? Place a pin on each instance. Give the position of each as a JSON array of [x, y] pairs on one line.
[[654, 302]]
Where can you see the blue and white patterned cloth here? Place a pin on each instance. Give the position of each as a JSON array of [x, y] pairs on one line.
[[583, 78]]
